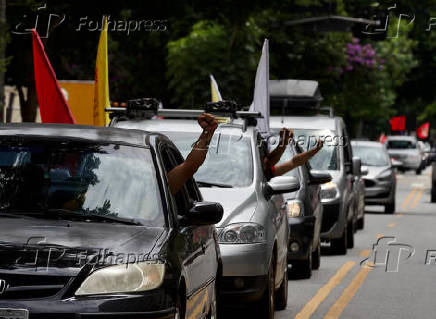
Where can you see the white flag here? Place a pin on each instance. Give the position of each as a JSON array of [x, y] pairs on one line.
[[215, 92], [261, 91]]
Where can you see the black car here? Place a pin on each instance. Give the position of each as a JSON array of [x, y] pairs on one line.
[[89, 228], [305, 212]]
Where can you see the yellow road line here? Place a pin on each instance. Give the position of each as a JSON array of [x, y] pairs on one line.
[[324, 291], [409, 198], [379, 236], [338, 307], [417, 198], [391, 225], [365, 253]]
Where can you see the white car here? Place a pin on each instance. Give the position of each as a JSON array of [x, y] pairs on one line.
[[406, 150]]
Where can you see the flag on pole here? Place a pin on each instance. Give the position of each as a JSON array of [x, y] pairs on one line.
[[52, 103], [216, 95], [398, 123], [423, 131], [261, 91], [101, 93]]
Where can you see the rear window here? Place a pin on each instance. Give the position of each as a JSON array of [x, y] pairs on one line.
[[400, 144]]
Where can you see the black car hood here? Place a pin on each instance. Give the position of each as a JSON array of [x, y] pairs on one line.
[[62, 247]]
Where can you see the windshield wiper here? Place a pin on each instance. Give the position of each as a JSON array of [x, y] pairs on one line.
[[104, 218], [209, 184]]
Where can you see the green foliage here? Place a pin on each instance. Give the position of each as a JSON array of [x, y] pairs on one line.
[[231, 55]]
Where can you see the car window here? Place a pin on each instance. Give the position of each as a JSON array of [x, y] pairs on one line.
[[229, 160], [327, 157], [400, 144], [372, 156], [114, 180]]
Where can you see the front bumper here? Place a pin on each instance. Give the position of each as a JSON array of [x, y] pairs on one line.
[[105, 307], [245, 259], [302, 233], [242, 289], [378, 192]]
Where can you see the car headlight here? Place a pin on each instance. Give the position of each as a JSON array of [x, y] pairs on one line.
[[385, 176], [242, 233], [134, 277], [294, 208], [329, 191]]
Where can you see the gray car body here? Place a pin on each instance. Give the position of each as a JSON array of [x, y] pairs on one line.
[[411, 158], [378, 191], [333, 227], [242, 204]]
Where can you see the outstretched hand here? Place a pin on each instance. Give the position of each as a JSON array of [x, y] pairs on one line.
[[208, 122], [319, 145]]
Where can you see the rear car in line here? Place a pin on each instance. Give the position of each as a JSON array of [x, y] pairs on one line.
[[381, 180], [89, 228], [406, 150]]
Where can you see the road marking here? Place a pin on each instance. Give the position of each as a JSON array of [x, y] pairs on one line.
[[409, 198], [365, 253], [417, 198], [380, 236], [324, 291], [348, 294], [391, 225]]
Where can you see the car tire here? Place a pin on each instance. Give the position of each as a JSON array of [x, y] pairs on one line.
[[180, 308], [418, 171], [361, 222], [390, 208], [316, 256], [282, 293], [339, 245], [267, 303], [433, 197], [351, 230], [303, 268]]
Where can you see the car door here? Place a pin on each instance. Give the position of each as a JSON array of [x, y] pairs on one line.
[[278, 216], [314, 200], [199, 268]]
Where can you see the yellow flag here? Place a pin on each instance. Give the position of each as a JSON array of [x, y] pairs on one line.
[[216, 95], [101, 92]]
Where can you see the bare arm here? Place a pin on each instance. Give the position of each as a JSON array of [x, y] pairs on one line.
[[274, 157], [297, 160], [180, 174]]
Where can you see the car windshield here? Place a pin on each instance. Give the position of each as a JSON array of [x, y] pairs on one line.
[[371, 156], [327, 157], [400, 144], [229, 160], [91, 179], [287, 156]]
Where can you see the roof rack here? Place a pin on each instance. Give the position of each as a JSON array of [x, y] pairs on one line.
[[148, 108]]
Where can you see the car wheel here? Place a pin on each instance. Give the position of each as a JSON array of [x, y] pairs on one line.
[[303, 268], [390, 208], [339, 245], [282, 293], [267, 303], [180, 309], [433, 196], [350, 233], [361, 222], [316, 257], [418, 171]]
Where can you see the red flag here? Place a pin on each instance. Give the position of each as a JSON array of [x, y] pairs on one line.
[[52, 103], [423, 131], [382, 138], [398, 123]]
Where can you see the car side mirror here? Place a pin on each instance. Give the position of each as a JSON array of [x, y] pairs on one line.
[[357, 166], [364, 171], [203, 213], [282, 185], [318, 177]]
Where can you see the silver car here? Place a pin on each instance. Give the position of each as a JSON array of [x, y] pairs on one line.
[[380, 181], [253, 234], [406, 150]]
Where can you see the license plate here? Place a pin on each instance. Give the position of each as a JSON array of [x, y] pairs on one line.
[[6, 313]]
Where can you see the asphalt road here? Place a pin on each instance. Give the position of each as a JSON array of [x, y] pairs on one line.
[[402, 287]]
